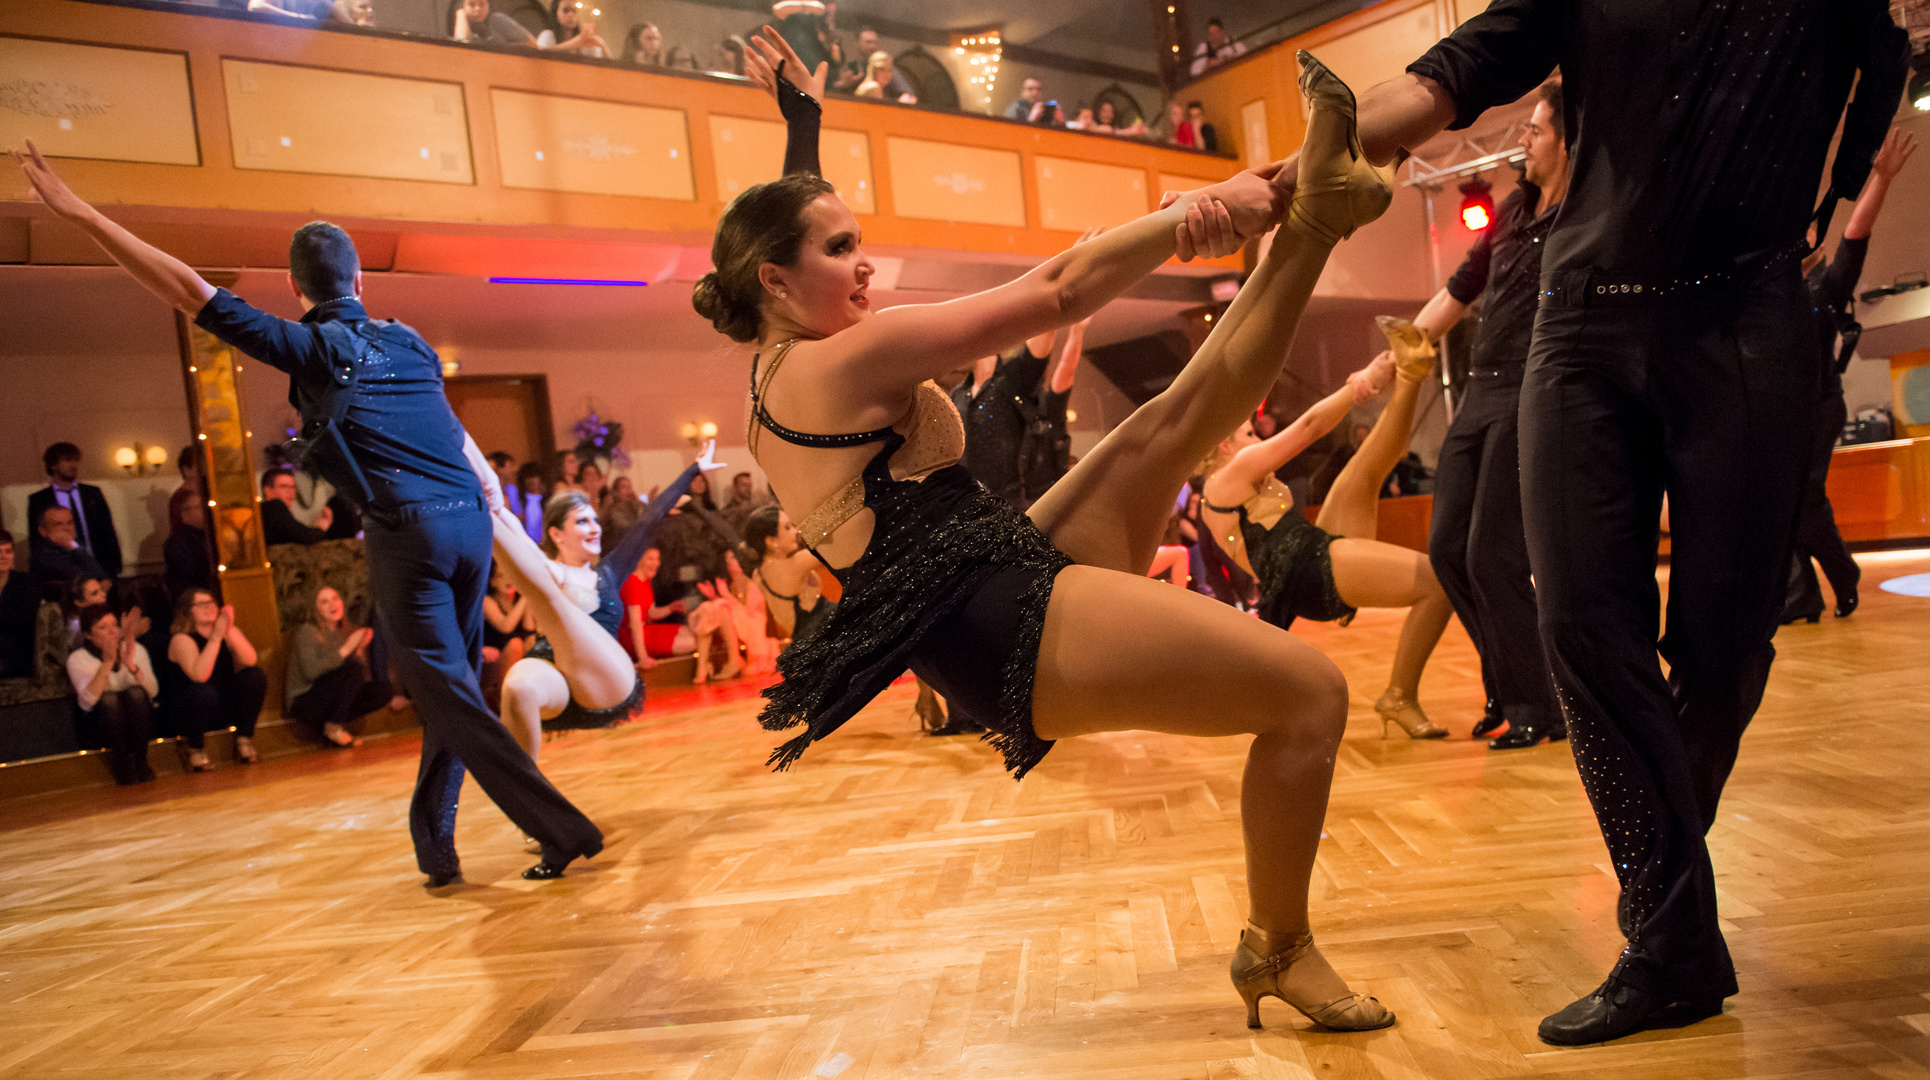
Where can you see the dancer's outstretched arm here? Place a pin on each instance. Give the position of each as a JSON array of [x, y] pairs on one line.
[[772, 65], [1253, 464], [158, 272]]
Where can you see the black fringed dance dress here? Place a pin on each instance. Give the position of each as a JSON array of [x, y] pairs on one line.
[[953, 584], [1291, 561]]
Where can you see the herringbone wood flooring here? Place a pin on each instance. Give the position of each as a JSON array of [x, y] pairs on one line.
[[897, 907]]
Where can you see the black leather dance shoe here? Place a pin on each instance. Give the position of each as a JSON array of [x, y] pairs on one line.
[[1615, 1009], [437, 881], [1846, 602], [544, 871], [1491, 720], [1519, 736]]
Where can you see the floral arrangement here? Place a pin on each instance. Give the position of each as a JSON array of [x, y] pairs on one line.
[[600, 438]]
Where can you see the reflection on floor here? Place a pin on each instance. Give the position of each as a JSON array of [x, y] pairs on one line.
[[896, 907]]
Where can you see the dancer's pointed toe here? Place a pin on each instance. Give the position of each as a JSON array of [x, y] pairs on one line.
[[1337, 190], [1414, 354]]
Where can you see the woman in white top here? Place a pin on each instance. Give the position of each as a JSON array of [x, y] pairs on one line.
[[115, 688]]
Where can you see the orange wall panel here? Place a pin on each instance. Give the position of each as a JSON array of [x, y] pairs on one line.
[[1080, 195], [85, 101], [949, 182], [751, 151], [346, 123], [554, 143]]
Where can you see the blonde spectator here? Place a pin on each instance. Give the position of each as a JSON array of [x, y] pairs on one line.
[[880, 76], [352, 12]]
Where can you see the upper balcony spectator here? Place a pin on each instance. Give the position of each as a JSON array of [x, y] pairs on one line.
[[569, 31], [681, 58], [1202, 133], [643, 45], [883, 81], [1217, 49], [730, 55], [295, 9], [93, 521], [353, 12], [856, 68], [278, 522], [475, 22], [1030, 104], [19, 608]]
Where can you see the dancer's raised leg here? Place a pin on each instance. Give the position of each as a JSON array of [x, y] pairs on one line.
[[599, 671], [532, 690]]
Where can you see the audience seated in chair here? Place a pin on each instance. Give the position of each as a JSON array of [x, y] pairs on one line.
[[58, 557], [212, 679], [114, 689], [329, 683]]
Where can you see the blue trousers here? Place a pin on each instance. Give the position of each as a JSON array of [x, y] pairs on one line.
[[428, 578]]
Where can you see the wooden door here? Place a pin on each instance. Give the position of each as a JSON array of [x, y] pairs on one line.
[[505, 412]]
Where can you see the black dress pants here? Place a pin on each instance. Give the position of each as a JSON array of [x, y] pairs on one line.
[[231, 702], [1816, 535], [1710, 400], [1480, 552], [428, 578], [340, 696]]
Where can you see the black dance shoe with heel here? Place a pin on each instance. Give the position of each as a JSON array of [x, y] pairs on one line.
[[1336, 190], [1523, 735], [1491, 720], [1846, 603], [1262, 962]]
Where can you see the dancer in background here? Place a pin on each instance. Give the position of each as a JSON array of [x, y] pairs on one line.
[[1477, 543], [1326, 569], [787, 574], [393, 445], [1042, 625], [1832, 290]]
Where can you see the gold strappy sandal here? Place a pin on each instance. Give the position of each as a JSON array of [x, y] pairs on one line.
[[1337, 190], [1263, 958]]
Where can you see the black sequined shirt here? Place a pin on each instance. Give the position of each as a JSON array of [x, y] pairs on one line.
[[1503, 271], [1697, 129]]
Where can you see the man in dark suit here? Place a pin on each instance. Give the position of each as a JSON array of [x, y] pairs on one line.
[[279, 525], [58, 557], [93, 521]]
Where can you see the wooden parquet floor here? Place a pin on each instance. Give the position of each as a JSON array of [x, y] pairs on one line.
[[897, 907]]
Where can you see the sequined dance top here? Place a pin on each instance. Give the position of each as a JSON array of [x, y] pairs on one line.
[[1289, 558]]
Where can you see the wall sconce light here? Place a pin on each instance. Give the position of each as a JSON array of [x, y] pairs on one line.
[[698, 434], [1072, 416], [139, 460]]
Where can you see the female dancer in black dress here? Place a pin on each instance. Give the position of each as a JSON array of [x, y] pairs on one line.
[[1323, 570], [1042, 626]]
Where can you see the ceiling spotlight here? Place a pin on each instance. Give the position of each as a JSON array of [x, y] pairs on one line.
[[1477, 204]]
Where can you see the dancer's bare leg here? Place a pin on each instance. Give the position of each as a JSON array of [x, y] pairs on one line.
[[599, 671], [1173, 560], [1353, 503], [1111, 659], [1369, 573], [532, 690]]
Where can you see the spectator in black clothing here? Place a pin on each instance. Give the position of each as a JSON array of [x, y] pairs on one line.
[[58, 558], [802, 23], [1674, 352], [331, 683], [94, 522], [211, 679], [475, 22], [186, 554], [19, 612], [1217, 49], [1029, 106], [1832, 289], [188, 464], [278, 522]]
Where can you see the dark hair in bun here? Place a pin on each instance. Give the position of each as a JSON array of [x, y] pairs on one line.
[[763, 225]]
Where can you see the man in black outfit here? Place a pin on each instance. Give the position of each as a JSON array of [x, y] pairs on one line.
[[279, 525], [1832, 289], [376, 424], [93, 521], [1673, 352], [1476, 545], [58, 557]]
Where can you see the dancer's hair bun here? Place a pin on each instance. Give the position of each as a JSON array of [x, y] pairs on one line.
[[734, 317], [765, 224]]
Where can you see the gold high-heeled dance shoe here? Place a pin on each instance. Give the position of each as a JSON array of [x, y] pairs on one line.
[[1337, 190], [1414, 354], [1396, 707], [1263, 958]]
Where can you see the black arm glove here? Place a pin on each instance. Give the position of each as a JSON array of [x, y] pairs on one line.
[[801, 116]]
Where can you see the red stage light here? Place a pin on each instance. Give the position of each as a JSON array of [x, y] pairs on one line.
[[1477, 205]]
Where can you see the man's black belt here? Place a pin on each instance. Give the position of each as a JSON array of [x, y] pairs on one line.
[[1607, 288]]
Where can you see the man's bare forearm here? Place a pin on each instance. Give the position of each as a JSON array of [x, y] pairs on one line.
[[1401, 114]]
